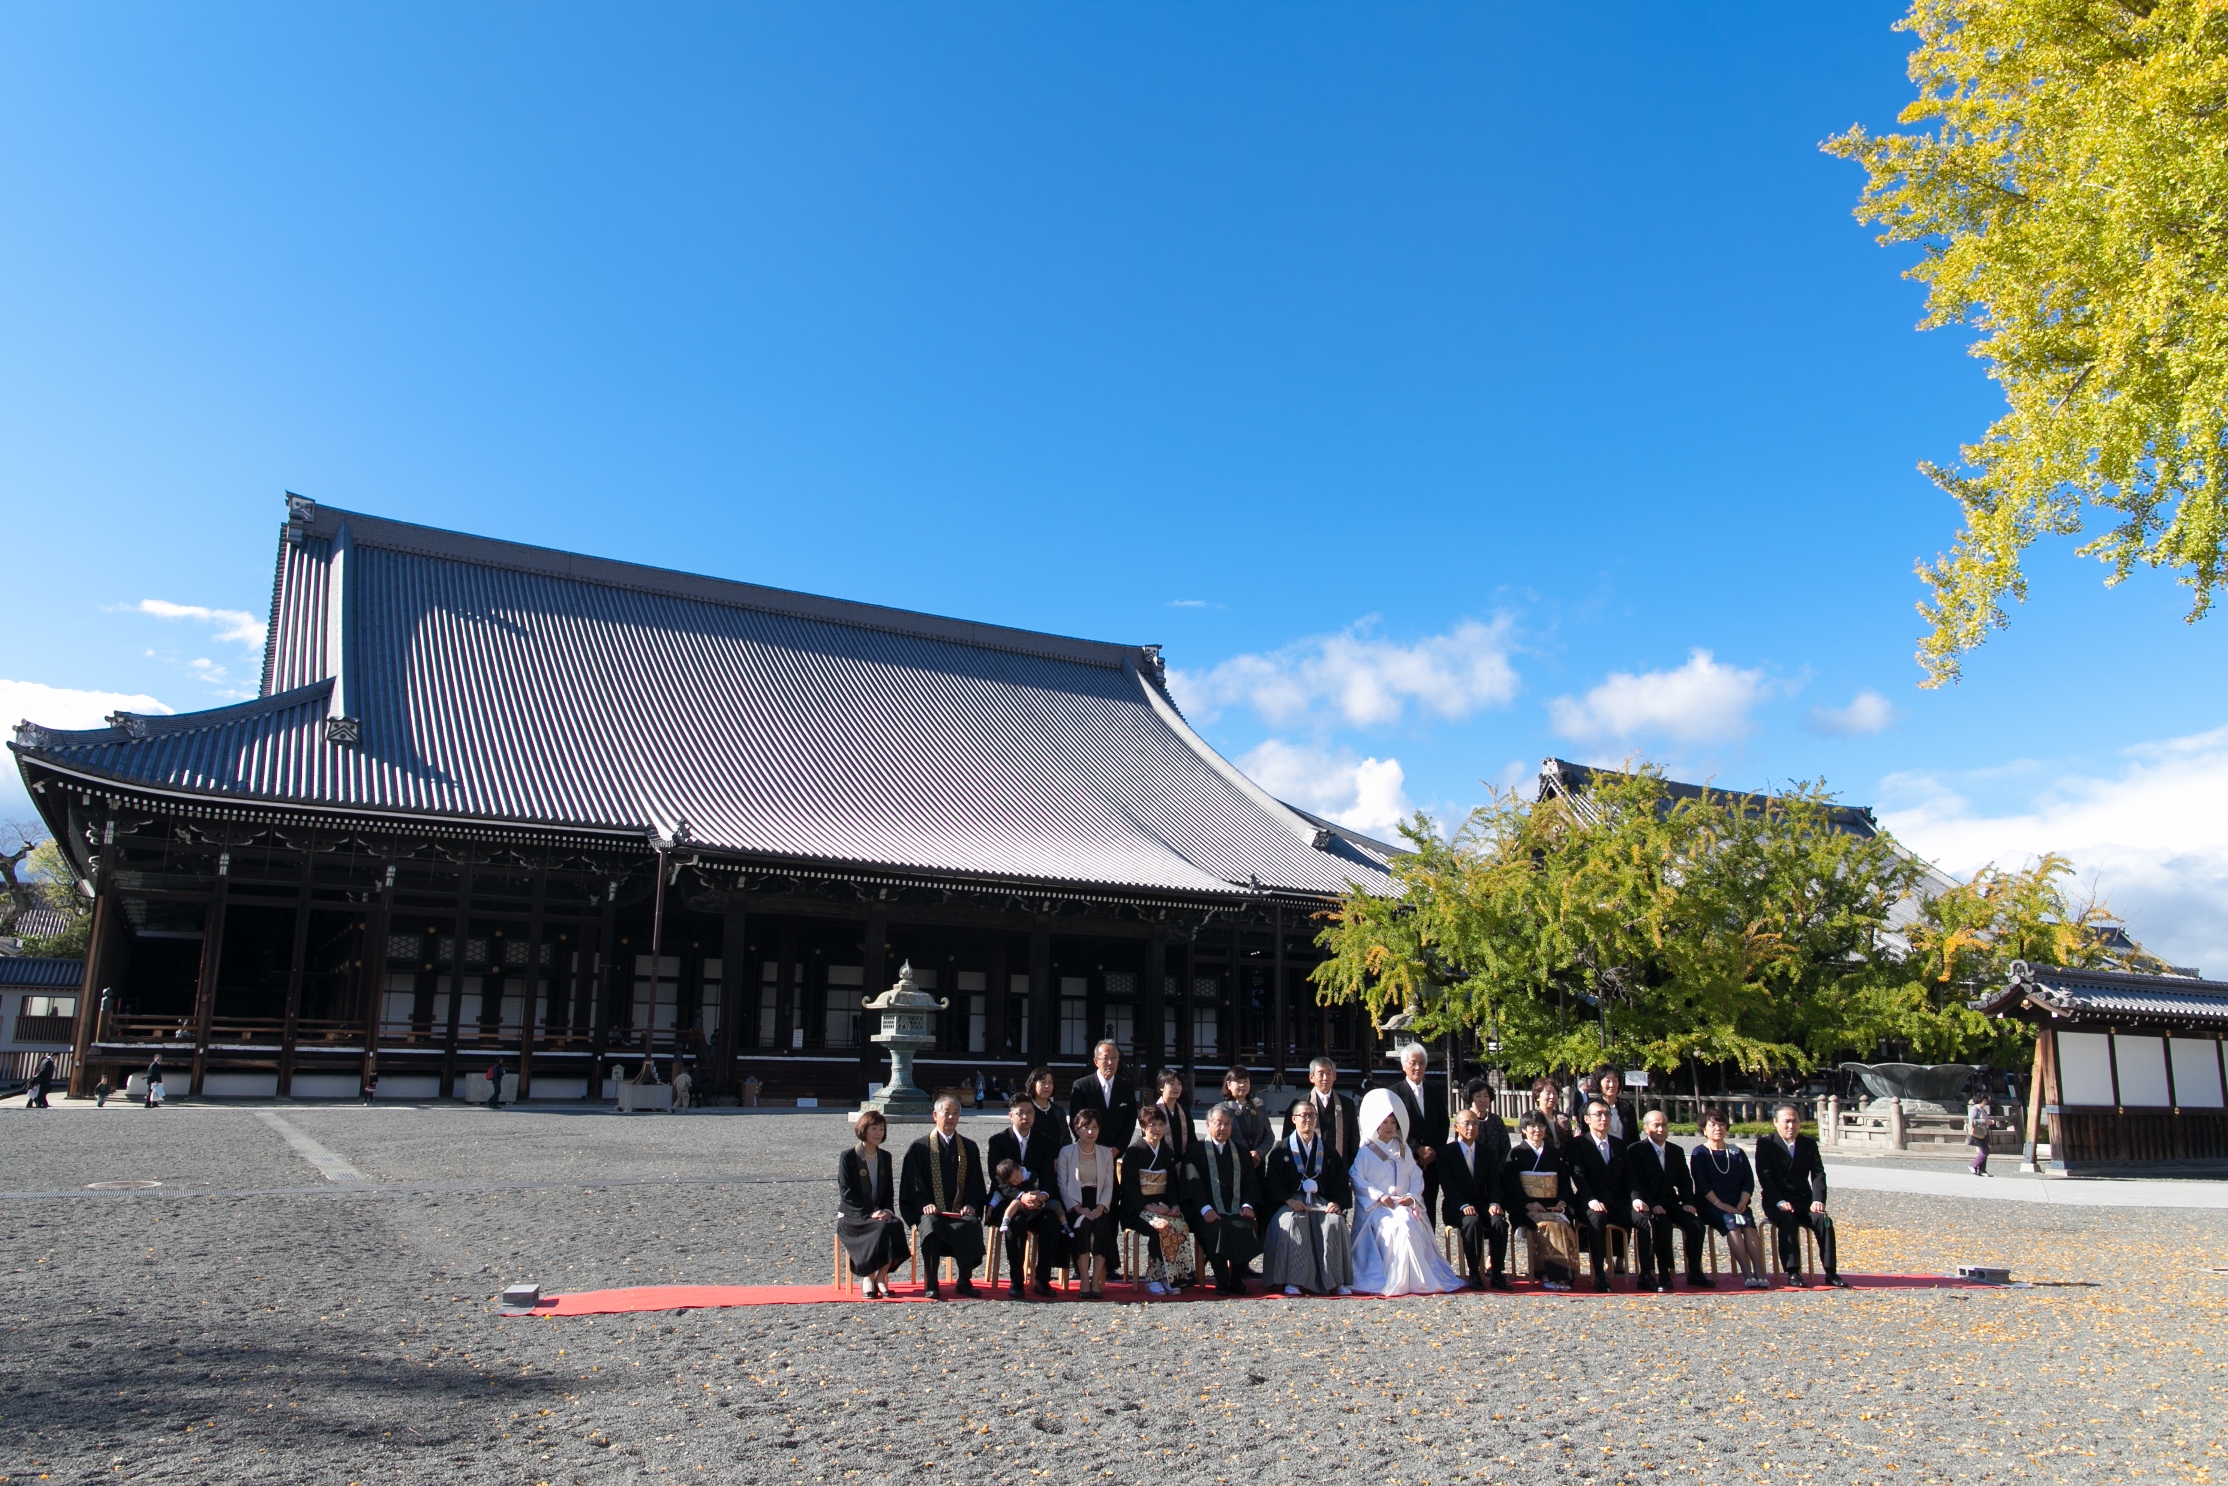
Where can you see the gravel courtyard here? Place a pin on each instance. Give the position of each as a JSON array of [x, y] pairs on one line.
[[250, 1320]]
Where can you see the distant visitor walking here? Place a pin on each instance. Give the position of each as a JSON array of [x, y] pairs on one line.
[[154, 1082]]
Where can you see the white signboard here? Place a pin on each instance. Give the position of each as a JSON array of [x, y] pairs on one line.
[[1637, 1079]]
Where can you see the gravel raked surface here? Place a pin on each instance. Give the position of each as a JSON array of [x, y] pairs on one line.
[[286, 1328]]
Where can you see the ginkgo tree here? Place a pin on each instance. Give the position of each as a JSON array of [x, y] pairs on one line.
[[1663, 929], [2067, 186]]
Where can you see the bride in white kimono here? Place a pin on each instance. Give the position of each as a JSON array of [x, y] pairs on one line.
[[1394, 1253]]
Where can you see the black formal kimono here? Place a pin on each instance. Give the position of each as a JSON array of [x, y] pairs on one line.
[[1281, 1178], [1181, 1136], [1222, 1182], [1036, 1160], [1547, 1161], [1313, 1250], [1664, 1178], [872, 1242], [1600, 1176], [1796, 1176], [1472, 1178], [1117, 1115], [1151, 1174], [949, 1175], [1427, 1131], [1339, 1121], [1251, 1129]]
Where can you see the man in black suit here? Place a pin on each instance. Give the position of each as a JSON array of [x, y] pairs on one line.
[[942, 1192], [1604, 1182], [1113, 1096], [1427, 1121], [1033, 1207], [1222, 1200], [1470, 1192], [1335, 1115], [1663, 1200], [1791, 1183]]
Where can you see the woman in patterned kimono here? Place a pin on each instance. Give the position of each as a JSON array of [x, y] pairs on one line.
[[1153, 1198]]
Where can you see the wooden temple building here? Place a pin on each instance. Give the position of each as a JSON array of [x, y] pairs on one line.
[[2128, 1068], [501, 803]]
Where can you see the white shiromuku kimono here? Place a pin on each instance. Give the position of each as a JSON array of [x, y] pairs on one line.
[[1394, 1253]]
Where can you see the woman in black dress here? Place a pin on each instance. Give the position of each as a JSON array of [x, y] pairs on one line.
[[1051, 1121], [866, 1218], [1175, 1107], [1725, 1182]]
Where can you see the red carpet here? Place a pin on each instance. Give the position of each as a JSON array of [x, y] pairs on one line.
[[701, 1297]]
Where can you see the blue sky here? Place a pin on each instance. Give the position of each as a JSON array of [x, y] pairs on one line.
[[1444, 386]]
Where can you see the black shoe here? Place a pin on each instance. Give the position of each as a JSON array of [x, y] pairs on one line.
[[1601, 1285], [1702, 1281], [1013, 1292], [1046, 1292], [1837, 1282], [1476, 1283], [1500, 1282], [932, 1290], [1798, 1281], [966, 1287]]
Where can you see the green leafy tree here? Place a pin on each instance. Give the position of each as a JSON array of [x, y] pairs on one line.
[[2069, 194], [36, 875], [1632, 924]]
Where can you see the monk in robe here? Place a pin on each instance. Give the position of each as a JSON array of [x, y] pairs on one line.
[[943, 1193], [1309, 1199], [1224, 1191]]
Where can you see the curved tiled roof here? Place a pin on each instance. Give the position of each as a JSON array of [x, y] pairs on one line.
[[424, 673], [2109, 995]]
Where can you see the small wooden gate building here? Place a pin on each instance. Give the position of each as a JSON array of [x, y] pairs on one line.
[[2128, 1068]]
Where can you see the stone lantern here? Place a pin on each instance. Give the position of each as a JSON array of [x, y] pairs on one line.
[[906, 1010]]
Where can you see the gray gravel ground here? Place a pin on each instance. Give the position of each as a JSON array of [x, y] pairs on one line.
[[282, 1328]]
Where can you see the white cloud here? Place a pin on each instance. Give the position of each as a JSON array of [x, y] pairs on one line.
[[1362, 794], [2151, 838], [1867, 712], [1366, 681], [232, 625], [1700, 702], [65, 708]]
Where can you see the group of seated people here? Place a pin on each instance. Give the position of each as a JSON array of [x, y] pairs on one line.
[[1347, 1198]]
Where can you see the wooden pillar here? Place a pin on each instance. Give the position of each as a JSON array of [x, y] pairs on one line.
[[456, 981], [1001, 989], [1280, 1026], [734, 949], [100, 961], [1152, 1010], [873, 956], [378, 924], [2046, 1045], [212, 964], [296, 966], [530, 1017], [785, 988], [599, 1016], [1044, 1005]]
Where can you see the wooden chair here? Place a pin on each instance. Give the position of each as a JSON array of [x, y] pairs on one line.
[[1065, 1269], [846, 1281]]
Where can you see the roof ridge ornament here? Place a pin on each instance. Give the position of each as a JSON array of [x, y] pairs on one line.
[[301, 515]]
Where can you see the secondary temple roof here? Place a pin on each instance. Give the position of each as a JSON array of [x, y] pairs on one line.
[[418, 673], [2076, 997]]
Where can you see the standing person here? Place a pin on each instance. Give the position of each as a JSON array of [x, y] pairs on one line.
[[1175, 1109], [1470, 1197], [1623, 1127], [1536, 1189], [1152, 1203], [495, 1085], [942, 1193], [154, 1082], [1604, 1182], [1791, 1177], [1426, 1123], [1031, 1208], [1088, 1194], [1493, 1131], [1223, 1191], [1249, 1122], [978, 1088], [101, 1091], [1051, 1119], [1309, 1244], [368, 1087], [1335, 1115], [1112, 1096], [1395, 1252], [1979, 1119], [684, 1088], [867, 1224], [41, 1081], [1547, 1097], [1725, 1182], [1663, 1200]]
